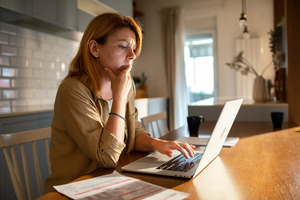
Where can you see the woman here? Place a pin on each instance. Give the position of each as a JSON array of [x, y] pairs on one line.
[[95, 118]]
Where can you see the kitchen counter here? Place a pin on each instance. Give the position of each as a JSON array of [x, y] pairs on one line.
[[149, 106], [250, 110], [21, 118], [24, 110], [146, 106]]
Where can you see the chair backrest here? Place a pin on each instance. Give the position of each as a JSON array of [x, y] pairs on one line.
[[9, 143], [157, 123]]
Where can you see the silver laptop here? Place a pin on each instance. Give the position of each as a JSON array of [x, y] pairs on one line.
[[178, 166]]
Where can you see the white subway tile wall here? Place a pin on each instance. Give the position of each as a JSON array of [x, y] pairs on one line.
[[32, 64]]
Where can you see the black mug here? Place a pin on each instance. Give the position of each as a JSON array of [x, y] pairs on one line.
[[277, 118], [194, 123]]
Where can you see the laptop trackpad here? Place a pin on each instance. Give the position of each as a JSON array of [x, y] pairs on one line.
[[152, 160]]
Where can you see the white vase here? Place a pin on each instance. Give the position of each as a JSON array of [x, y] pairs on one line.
[[259, 90]]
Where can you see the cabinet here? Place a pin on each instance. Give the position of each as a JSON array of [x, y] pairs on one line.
[[23, 6], [25, 121], [55, 14], [125, 7], [150, 106], [68, 13], [87, 10], [45, 10], [83, 20], [61, 13], [60, 17]]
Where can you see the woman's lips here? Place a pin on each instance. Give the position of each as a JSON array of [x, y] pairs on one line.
[[124, 67]]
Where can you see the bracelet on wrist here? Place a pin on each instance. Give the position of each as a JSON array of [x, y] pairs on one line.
[[112, 113]]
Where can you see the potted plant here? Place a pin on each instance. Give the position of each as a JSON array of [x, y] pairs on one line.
[[275, 43], [241, 64], [140, 85], [278, 56], [137, 81]]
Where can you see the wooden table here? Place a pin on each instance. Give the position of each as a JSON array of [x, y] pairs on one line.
[[264, 164]]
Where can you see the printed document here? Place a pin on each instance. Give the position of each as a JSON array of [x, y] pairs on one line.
[[117, 186]]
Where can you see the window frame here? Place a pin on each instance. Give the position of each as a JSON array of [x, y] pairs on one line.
[[212, 32]]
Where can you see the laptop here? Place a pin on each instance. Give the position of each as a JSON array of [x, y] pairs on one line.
[[178, 166], [202, 140]]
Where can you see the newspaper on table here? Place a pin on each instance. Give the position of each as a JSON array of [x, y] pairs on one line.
[[117, 186]]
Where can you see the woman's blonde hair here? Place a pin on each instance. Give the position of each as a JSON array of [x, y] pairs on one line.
[[84, 64]]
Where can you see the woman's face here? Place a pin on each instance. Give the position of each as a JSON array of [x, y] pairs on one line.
[[119, 50]]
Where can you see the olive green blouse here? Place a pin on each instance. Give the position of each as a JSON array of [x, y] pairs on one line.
[[80, 143]]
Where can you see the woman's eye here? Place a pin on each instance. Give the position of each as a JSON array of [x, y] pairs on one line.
[[122, 46]]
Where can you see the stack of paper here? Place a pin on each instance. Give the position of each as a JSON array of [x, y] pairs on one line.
[[117, 186]]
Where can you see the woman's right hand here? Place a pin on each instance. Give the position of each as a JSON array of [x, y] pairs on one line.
[[166, 147], [121, 83], [145, 143]]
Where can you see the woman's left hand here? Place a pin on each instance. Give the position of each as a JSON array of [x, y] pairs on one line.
[[166, 147]]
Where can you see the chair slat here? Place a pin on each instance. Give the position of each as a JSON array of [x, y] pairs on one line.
[[26, 172], [37, 169], [47, 153], [155, 118], [16, 166], [19, 139], [159, 131], [14, 177], [25, 136], [152, 130]]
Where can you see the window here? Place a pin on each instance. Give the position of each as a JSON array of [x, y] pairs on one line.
[[199, 66]]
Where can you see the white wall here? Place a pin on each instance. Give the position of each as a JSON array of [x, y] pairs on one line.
[[227, 12], [32, 64]]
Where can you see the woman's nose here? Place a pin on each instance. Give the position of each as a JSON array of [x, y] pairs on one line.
[[131, 54]]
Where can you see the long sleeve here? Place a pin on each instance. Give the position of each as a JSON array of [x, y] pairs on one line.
[[84, 124], [79, 142]]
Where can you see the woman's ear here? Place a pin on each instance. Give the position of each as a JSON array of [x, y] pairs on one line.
[[93, 48]]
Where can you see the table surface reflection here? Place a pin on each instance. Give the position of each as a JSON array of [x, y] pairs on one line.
[[264, 164]]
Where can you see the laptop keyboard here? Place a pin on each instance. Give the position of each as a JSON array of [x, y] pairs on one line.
[[180, 163]]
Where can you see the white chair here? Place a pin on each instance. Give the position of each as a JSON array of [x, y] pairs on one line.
[[9, 143], [157, 123]]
